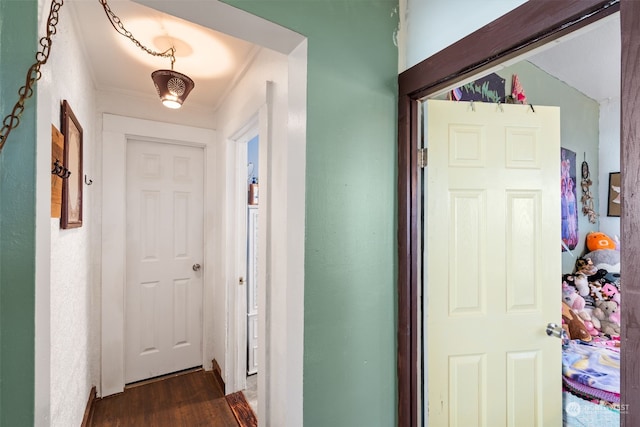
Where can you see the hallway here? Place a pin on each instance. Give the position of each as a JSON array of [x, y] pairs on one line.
[[184, 400]]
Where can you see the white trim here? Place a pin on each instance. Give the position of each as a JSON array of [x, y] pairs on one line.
[[237, 216], [42, 365], [240, 294], [292, 208], [232, 21], [265, 227], [256, 125], [116, 131]]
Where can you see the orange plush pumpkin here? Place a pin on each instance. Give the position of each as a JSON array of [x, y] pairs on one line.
[[597, 240]]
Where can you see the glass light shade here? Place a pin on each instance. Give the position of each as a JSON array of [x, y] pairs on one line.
[[172, 87]]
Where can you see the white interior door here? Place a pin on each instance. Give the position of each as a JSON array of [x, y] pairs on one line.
[[493, 265], [163, 292]]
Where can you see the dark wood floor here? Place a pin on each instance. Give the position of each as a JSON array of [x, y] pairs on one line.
[[185, 400]]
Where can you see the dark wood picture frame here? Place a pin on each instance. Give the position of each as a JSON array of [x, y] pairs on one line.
[[613, 196], [534, 23], [71, 186]]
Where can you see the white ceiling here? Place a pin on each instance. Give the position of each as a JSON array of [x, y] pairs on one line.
[[213, 60], [589, 60]]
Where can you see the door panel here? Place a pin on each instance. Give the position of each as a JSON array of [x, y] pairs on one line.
[[493, 271], [163, 294]]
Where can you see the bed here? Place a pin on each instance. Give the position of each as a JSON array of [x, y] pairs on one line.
[[591, 384], [591, 354]]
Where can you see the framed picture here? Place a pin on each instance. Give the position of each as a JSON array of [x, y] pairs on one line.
[[613, 207], [71, 186]]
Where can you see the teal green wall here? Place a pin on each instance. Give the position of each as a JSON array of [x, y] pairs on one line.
[[579, 116], [350, 295], [18, 29]]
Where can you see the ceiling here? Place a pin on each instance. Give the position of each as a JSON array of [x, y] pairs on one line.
[[214, 61], [588, 59]]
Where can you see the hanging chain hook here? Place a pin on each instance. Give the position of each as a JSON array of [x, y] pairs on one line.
[[117, 24], [12, 121]]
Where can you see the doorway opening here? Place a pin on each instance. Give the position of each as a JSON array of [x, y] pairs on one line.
[[581, 103], [253, 206], [246, 211], [415, 86], [283, 64]]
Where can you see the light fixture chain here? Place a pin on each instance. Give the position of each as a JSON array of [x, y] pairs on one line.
[[117, 24], [12, 121]]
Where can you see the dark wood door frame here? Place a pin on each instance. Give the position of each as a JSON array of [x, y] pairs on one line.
[[531, 25]]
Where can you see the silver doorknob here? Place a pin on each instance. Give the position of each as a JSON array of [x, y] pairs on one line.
[[196, 267], [554, 330]]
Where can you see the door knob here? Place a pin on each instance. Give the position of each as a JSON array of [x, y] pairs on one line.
[[241, 281], [554, 330], [196, 267]]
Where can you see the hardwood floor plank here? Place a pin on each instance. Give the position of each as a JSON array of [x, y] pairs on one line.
[[88, 412], [186, 400], [241, 409]]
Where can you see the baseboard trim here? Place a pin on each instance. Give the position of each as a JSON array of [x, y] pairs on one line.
[[217, 376], [241, 409], [88, 412]]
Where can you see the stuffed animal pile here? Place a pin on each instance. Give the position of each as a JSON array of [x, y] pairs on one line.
[[592, 293]]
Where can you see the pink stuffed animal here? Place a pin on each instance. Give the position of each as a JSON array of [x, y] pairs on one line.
[[611, 292], [571, 297]]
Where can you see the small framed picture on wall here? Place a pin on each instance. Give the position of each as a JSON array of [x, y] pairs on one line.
[[613, 206], [72, 185]]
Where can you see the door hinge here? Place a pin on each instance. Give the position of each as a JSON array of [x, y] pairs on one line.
[[422, 157]]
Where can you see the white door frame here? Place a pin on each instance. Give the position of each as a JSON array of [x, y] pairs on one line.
[[237, 340], [116, 131]]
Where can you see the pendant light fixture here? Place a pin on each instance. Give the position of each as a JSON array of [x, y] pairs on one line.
[[172, 87]]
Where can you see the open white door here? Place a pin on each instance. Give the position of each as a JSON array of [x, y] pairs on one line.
[[493, 265]]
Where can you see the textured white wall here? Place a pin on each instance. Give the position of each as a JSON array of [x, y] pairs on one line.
[[72, 353], [609, 161]]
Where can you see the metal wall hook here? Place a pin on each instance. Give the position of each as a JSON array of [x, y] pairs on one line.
[[60, 170], [87, 180]]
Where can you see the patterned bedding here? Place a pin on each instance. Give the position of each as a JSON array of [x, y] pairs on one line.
[[594, 366], [591, 384]]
